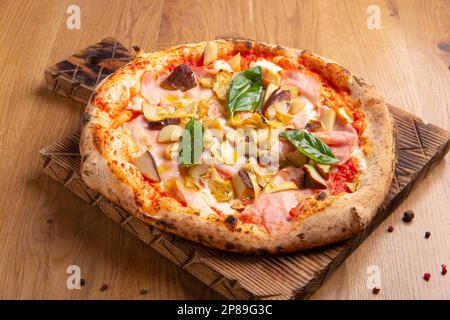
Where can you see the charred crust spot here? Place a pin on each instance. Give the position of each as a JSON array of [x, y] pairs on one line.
[[200, 239], [85, 118], [166, 224], [136, 48], [231, 222], [248, 44], [263, 252], [301, 236], [229, 246]]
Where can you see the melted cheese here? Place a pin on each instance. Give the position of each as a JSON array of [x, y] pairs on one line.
[[266, 65]]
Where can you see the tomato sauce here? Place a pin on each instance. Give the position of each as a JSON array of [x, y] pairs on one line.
[[341, 174]]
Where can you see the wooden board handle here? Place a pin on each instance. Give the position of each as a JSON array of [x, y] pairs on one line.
[[78, 75]]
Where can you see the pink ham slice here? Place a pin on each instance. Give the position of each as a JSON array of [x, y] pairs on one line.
[[342, 140], [308, 86], [271, 210]]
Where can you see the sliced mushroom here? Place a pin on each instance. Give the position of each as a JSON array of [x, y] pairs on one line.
[[324, 169], [242, 185], [294, 90], [270, 89], [315, 125], [147, 166], [182, 78], [313, 179], [297, 158], [276, 96], [170, 133], [157, 125]]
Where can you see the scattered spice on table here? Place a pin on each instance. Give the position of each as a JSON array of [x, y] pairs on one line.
[[104, 287], [144, 290], [426, 276], [408, 215], [444, 269], [375, 290], [390, 229], [427, 234], [82, 282]]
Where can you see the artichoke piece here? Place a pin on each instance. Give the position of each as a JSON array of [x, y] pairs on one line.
[[206, 82], [345, 114], [353, 186], [220, 188], [170, 133], [147, 166], [221, 84], [280, 186], [297, 105], [313, 179], [243, 185], [328, 119], [182, 78]]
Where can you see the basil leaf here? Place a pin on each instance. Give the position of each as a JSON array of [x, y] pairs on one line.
[[310, 146], [192, 143], [245, 91]]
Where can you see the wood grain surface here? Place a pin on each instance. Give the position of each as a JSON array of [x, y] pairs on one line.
[[44, 228]]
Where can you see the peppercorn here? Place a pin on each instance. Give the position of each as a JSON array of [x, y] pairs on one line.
[[444, 269], [375, 290], [390, 229], [144, 291], [426, 276], [104, 287], [408, 215], [427, 234]]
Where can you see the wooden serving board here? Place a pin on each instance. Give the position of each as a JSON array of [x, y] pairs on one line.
[[296, 276]]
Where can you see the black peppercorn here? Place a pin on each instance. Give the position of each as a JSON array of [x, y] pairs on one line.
[[408, 215]]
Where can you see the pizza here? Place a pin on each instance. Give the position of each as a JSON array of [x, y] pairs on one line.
[[240, 145]]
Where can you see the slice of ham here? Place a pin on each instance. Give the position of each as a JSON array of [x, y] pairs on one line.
[[271, 210], [309, 86], [303, 117], [342, 140], [147, 140], [152, 91]]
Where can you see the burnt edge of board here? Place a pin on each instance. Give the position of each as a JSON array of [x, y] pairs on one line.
[[420, 148]]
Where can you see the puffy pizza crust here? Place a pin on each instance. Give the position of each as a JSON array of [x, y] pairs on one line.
[[106, 154]]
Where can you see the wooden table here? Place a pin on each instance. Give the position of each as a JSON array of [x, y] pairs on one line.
[[44, 228]]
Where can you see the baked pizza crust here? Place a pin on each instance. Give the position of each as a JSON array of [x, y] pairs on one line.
[[345, 217]]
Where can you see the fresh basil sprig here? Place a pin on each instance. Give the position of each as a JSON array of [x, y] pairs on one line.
[[310, 146], [192, 143], [245, 91]]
